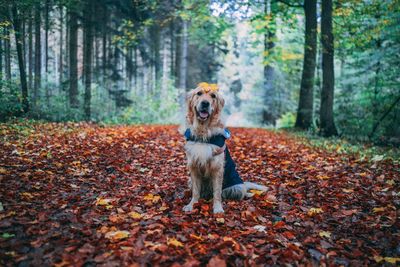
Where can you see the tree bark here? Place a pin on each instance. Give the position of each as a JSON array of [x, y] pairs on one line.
[[46, 27], [328, 127], [269, 113], [61, 63], [73, 58], [1, 63], [18, 41], [183, 57], [7, 56], [88, 54], [38, 55], [305, 109], [30, 52]]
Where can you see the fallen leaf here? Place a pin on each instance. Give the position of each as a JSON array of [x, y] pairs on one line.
[[314, 211], [174, 242], [325, 234], [117, 235]]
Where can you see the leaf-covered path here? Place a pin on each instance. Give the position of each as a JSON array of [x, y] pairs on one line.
[[77, 194]]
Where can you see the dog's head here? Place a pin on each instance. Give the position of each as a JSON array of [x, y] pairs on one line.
[[204, 104]]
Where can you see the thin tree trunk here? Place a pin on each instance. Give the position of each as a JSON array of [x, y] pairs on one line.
[[183, 65], [305, 109], [18, 41], [47, 26], [30, 52], [38, 55], [88, 51], [172, 48], [178, 52], [73, 58], [1, 63], [61, 63], [328, 127], [269, 113], [7, 60]]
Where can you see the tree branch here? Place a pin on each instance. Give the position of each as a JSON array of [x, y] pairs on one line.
[[378, 122]]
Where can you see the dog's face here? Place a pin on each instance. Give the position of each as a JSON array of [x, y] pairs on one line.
[[204, 105]]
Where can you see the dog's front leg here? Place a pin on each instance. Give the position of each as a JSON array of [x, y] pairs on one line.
[[196, 189], [217, 180]]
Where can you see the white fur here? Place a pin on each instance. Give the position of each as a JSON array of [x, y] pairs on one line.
[[200, 153]]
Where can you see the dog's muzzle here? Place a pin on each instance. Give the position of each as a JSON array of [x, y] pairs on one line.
[[203, 110]]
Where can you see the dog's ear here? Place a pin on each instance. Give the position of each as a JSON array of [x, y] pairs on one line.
[[189, 104]]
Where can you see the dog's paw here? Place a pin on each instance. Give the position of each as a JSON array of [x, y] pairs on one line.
[[188, 208], [218, 210]]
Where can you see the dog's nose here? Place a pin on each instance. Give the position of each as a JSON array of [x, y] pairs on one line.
[[205, 104]]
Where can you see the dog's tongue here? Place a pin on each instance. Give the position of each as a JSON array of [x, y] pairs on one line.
[[203, 114]]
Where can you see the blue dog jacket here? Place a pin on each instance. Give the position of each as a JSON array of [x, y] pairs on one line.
[[231, 176]]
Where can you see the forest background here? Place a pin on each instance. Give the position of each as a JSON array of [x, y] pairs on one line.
[[322, 66]]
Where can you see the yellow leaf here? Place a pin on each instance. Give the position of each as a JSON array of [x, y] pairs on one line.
[[391, 260], [387, 259], [27, 195], [117, 235], [174, 242], [391, 182], [379, 209], [103, 201], [323, 177], [3, 171], [314, 211], [286, 162], [257, 192], [325, 234], [135, 215], [153, 198]]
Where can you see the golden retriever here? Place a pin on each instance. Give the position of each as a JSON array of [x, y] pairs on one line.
[[209, 162]]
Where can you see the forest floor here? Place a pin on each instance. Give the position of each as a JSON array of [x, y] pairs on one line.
[[79, 194]]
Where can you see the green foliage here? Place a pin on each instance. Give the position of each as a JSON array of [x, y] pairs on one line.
[[345, 147], [10, 101], [150, 109], [287, 120]]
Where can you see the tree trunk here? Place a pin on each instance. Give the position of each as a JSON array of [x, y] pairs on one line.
[[305, 110], [183, 57], [87, 56], [73, 58], [46, 27], [61, 63], [269, 113], [328, 127], [30, 52], [38, 55], [1, 62], [7, 56], [20, 53]]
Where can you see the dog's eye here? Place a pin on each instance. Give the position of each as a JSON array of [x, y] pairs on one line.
[[213, 96], [199, 93]]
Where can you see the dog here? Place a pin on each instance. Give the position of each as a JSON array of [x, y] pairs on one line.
[[213, 173]]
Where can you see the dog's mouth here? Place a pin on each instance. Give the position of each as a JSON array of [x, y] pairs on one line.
[[203, 115]]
